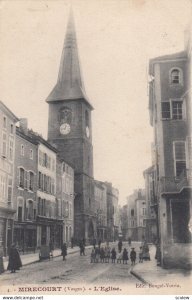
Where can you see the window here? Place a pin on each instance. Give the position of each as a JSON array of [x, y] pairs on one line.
[[31, 181], [173, 109], [20, 210], [11, 148], [31, 154], [144, 211], [175, 76], [4, 146], [21, 177], [4, 122], [132, 212], [22, 150], [166, 111], [86, 118], [179, 158], [2, 187], [29, 210]]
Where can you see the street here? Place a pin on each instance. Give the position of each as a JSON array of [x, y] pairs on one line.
[[76, 269]]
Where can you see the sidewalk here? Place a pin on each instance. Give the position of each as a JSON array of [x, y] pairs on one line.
[[149, 273], [31, 258]]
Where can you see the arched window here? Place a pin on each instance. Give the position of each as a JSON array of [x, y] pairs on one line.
[[20, 209], [21, 177], [31, 181], [176, 76], [29, 210]]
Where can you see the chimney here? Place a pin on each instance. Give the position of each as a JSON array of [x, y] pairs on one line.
[[23, 125]]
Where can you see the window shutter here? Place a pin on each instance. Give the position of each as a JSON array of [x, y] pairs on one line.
[[184, 109], [25, 179]]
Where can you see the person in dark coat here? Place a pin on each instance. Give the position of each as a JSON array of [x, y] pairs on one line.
[[141, 254], [14, 259], [120, 244], [113, 255], [64, 251], [94, 243], [133, 256], [125, 256], [102, 254], [82, 248]]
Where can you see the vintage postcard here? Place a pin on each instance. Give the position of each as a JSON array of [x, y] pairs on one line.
[[95, 147]]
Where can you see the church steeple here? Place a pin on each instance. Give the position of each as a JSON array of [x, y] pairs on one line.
[[70, 82]]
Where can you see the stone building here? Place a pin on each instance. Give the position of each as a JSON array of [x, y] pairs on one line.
[[70, 131], [65, 201], [7, 159], [124, 222], [112, 212], [136, 206], [100, 192], [25, 189], [170, 116], [151, 232]]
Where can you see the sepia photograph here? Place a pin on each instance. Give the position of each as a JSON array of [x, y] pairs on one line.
[[95, 147]]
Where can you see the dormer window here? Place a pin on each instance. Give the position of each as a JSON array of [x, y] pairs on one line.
[[176, 76]]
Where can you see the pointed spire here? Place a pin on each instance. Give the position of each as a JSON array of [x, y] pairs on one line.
[[70, 82]]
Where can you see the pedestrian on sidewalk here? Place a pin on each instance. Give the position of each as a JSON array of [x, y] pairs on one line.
[[93, 255], [133, 256], [94, 243], [82, 248], [113, 255], [64, 251], [125, 256], [14, 259], [141, 254]]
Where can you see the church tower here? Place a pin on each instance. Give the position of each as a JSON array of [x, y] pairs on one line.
[[69, 129]]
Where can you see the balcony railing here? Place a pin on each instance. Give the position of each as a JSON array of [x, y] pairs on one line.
[[176, 184]]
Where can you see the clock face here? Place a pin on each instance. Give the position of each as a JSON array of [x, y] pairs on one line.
[[87, 132], [65, 128]]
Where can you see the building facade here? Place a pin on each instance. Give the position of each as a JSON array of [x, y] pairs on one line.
[[151, 205], [137, 215], [170, 116], [112, 212], [100, 192], [124, 222], [7, 159], [25, 189], [70, 130]]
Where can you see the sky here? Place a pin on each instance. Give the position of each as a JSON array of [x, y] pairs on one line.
[[116, 39]]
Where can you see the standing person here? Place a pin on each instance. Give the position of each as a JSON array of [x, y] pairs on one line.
[[94, 243], [14, 259], [125, 256], [119, 257], [82, 248], [64, 251], [141, 254], [113, 255], [102, 254], [120, 244], [97, 254], [133, 256], [93, 255]]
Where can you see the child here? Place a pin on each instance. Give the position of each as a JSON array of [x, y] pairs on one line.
[[141, 254], [119, 257], [133, 256], [113, 255], [125, 256], [93, 256]]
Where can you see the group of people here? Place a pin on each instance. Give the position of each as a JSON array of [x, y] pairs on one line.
[[104, 254]]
